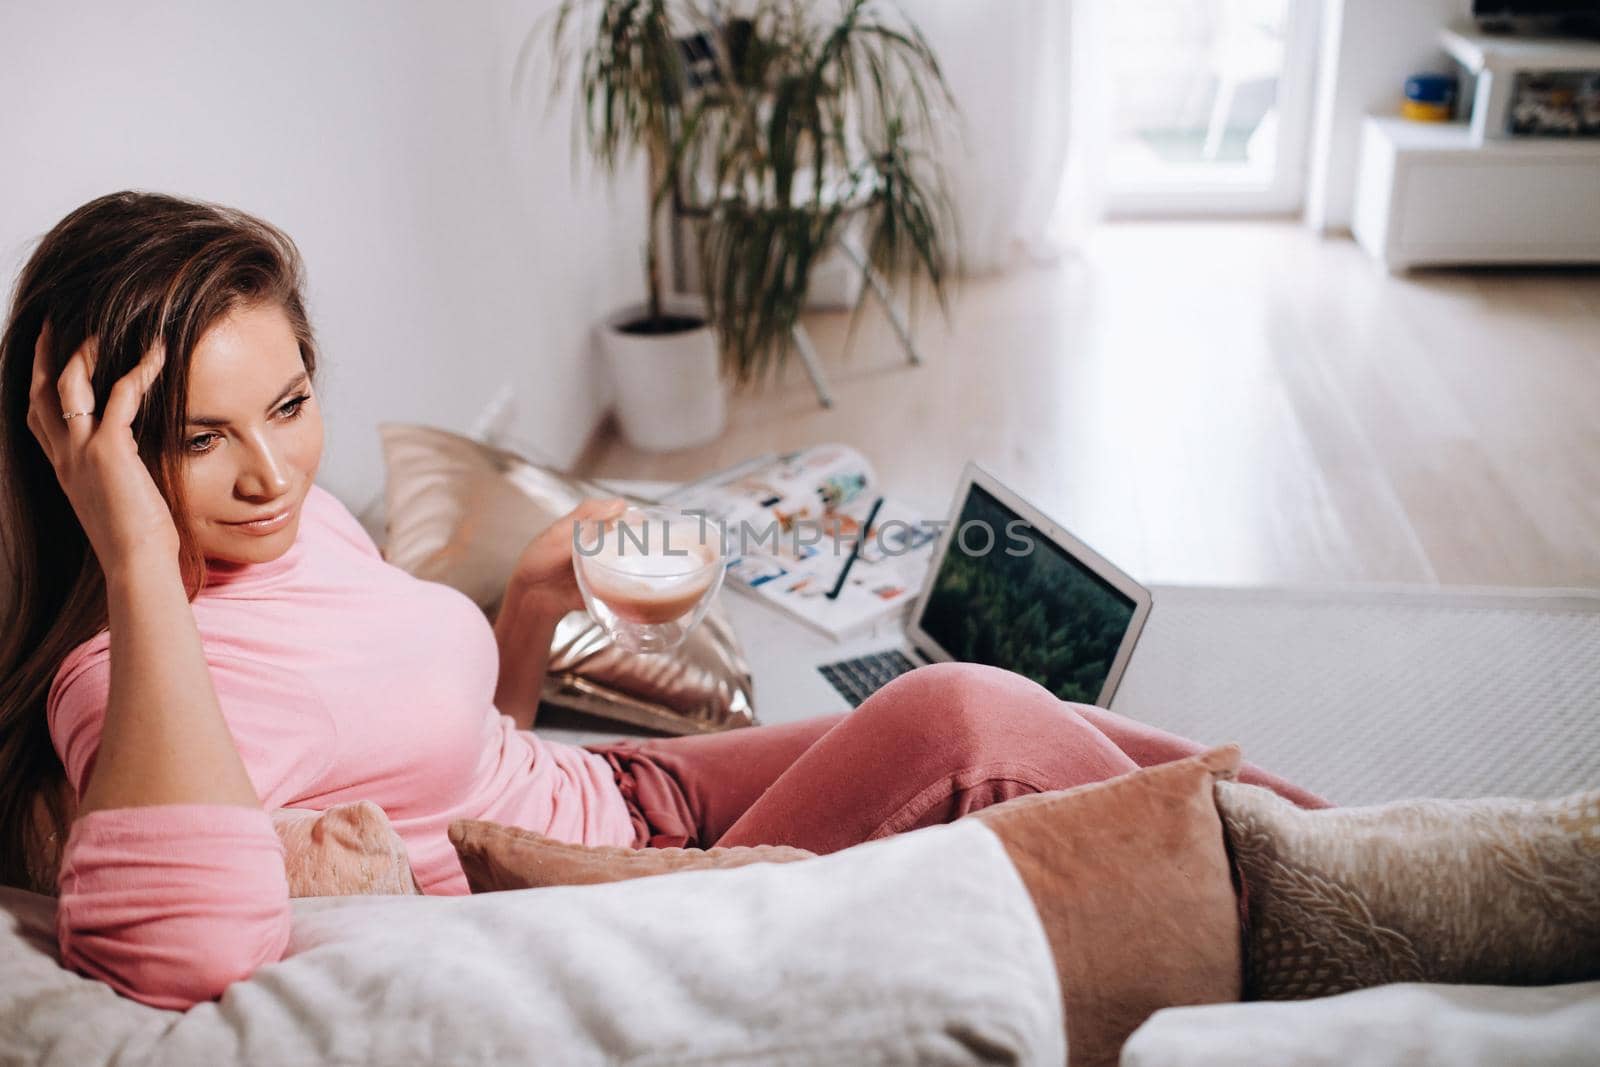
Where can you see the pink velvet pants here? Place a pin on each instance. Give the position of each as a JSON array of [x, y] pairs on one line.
[[929, 747]]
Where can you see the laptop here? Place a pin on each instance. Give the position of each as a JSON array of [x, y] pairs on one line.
[[1010, 588]]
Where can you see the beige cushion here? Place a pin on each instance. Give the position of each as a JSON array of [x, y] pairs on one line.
[[1471, 891], [346, 849], [497, 857], [461, 512], [1132, 884]]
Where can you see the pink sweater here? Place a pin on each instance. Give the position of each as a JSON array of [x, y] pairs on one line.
[[341, 678]]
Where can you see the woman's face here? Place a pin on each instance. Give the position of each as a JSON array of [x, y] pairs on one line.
[[254, 437]]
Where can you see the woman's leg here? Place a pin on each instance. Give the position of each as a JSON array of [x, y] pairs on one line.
[[929, 747], [684, 792]]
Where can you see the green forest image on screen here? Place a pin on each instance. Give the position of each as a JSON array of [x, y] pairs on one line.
[[1038, 614]]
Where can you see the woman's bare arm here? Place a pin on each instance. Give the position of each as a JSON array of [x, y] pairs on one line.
[[523, 631], [164, 740]]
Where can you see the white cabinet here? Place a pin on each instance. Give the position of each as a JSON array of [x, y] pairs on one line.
[[1465, 192], [1427, 194]]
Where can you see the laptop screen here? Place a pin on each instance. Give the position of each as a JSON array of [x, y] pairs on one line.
[[1008, 596]]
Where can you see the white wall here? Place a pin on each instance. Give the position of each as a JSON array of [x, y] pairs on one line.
[[451, 247], [1369, 48]]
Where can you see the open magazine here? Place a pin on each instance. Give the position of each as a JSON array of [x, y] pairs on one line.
[[789, 522]]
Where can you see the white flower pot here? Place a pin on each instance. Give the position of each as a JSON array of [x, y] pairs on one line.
[[669, 394]]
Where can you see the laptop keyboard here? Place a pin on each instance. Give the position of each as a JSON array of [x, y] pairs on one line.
[[857, 679]]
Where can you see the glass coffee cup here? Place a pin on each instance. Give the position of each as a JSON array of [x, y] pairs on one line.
[[649, 575]]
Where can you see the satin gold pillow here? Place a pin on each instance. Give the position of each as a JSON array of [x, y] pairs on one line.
[[460, 512]]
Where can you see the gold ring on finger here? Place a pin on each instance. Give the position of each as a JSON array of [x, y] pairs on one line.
[[70, 415]]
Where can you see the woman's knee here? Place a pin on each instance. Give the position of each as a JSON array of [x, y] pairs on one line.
[[975, 716], [964, 702]]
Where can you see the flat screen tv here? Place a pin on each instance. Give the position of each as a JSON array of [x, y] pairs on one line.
[[1539, 16]]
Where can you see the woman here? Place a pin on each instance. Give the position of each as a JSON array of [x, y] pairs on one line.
[[201, 634]]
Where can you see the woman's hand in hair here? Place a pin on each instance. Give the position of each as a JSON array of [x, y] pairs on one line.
[[96, 458]]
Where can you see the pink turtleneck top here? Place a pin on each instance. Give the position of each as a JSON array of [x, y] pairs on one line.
[[341, 678]]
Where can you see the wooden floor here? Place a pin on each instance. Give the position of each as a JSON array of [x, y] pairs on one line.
[[1231, 403]]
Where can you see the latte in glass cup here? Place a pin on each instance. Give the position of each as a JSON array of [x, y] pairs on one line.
[[648, 576]]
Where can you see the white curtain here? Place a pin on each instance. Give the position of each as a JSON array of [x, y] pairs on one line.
[[1025, 174]]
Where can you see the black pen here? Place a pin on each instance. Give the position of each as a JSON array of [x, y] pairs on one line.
[[855, 550]]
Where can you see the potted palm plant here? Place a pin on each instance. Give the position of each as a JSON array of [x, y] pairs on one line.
[[771, 127]]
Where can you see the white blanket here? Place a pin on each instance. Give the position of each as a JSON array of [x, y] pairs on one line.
[[921, 948]]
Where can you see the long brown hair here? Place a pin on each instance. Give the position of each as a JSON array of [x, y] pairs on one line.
[[129, 269]]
